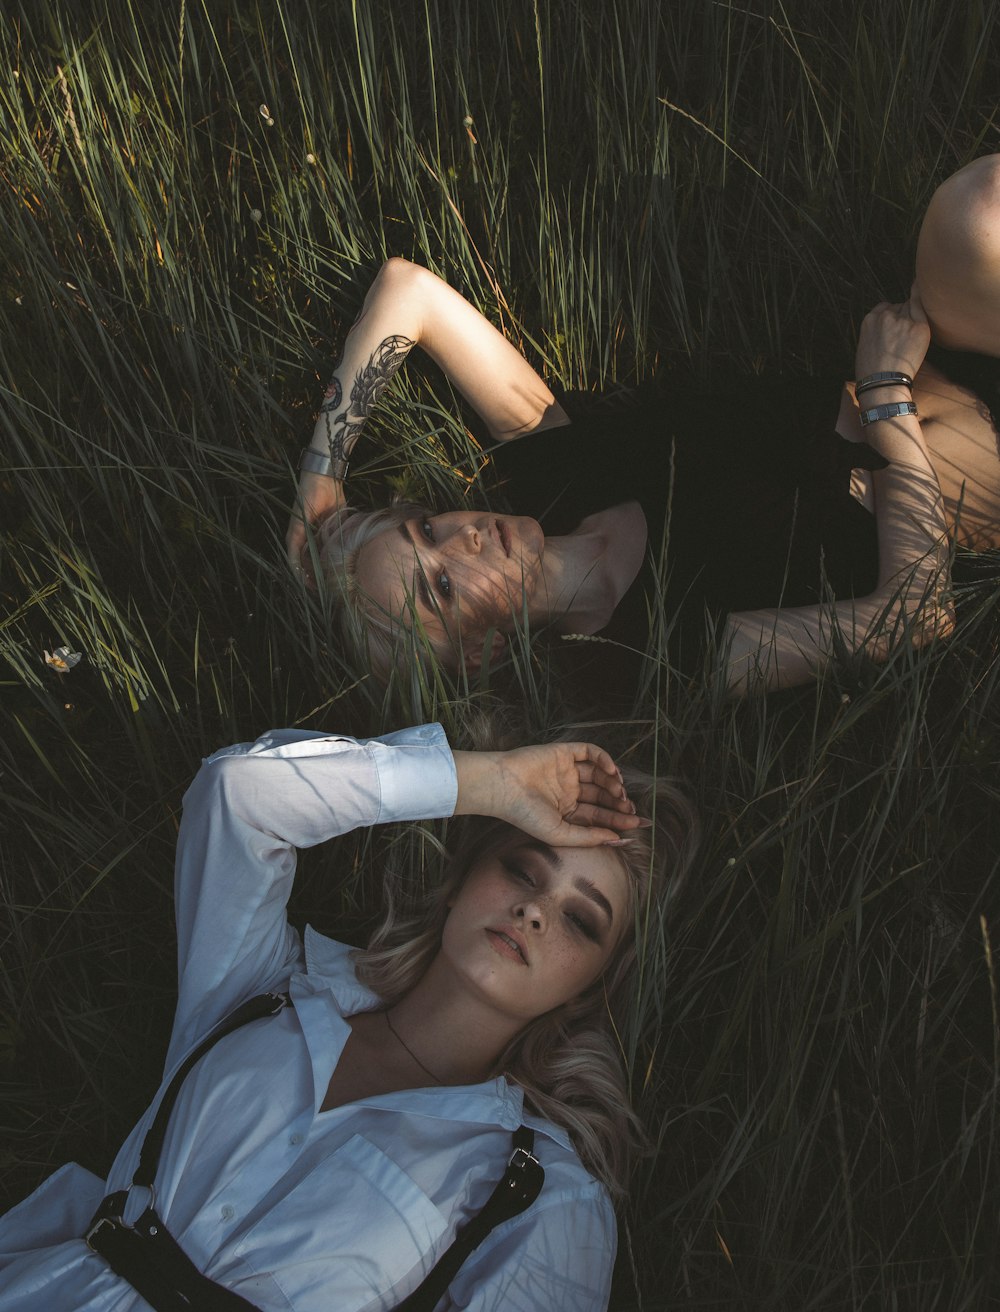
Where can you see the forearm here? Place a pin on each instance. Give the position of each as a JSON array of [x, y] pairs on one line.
[[785, 647], [782, 648], [382, 336]]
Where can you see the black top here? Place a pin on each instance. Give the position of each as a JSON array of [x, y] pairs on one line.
[[746, 493]]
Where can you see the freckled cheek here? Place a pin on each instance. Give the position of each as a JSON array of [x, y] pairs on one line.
[[572, 970]]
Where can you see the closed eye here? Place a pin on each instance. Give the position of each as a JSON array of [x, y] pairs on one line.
[[583, 926], [518, 872]]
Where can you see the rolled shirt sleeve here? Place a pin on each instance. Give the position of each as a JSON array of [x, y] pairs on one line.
[[248, 809]]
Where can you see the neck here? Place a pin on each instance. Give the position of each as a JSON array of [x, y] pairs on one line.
[[576, 581], [449, 1032]]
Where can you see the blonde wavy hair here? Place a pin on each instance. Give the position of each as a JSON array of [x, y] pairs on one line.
[[568, 1061]]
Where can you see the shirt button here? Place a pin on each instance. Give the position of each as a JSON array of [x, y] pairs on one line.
[[227, 1213], [294, 1139]]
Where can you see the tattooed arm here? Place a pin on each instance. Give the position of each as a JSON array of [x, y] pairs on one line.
[[409, 306]]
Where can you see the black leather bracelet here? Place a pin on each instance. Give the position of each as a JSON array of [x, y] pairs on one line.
[[315, 462], [893, 411]]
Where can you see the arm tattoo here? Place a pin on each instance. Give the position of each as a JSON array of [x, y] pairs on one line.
[[343, 430]]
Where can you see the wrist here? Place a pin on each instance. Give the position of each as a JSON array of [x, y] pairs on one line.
[[476, 773]]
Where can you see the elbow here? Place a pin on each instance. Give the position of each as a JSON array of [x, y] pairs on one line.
[[912, 619], [398, 275], [404, 291]]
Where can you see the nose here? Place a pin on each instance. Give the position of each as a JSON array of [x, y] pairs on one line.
[[530, 913], [469, 540]]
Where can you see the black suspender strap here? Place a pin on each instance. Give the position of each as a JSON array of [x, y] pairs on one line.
[[520, 1186], [146, 1254], [264, 1004], [155, 1265]]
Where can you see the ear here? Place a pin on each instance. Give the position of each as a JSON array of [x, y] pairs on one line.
[[474, 651]]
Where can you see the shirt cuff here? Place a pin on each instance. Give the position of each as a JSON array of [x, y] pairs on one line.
[[416, 772]]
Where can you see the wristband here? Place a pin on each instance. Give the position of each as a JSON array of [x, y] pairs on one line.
[[893, 411], [314, 462], [885, 378]]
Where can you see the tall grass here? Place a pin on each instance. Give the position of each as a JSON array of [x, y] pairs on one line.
[[195, 197]]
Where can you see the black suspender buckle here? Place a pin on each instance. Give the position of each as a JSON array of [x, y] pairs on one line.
[[522, 1160]]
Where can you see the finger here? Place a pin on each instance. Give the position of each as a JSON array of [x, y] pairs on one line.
[[916, 305], [602, 772], [590, 813], [295, 540], [571, 835], [591, 777], [596, 756], [612, 798]]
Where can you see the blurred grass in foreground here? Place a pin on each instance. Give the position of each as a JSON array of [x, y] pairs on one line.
[[195, 197]]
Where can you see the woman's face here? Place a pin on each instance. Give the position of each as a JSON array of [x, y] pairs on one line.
[[533, 926], [462, 572]]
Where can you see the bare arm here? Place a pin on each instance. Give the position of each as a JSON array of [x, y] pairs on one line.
[[409, 306], [787, 647]]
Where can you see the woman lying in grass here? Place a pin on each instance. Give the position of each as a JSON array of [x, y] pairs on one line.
[[755, 503], [324, 1154]]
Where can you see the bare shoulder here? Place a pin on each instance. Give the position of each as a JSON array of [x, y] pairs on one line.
[[958, 259]]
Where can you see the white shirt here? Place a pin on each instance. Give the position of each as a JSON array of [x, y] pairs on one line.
[[291, 1207]]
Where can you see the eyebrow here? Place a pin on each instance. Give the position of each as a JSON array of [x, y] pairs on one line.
[[419, 579], [584, 886]]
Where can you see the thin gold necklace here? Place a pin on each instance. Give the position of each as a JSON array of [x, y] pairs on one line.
[[400, 1039]]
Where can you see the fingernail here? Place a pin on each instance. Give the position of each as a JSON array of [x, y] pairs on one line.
[[615, 842], [643, 823]]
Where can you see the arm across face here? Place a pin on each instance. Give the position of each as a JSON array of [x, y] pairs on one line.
[[409, 306]]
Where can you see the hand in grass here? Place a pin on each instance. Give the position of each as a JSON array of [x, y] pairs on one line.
[[316, 497]]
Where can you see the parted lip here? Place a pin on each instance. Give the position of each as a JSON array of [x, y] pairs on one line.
[[513, 939]]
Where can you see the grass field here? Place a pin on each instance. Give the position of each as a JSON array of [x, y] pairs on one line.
[[195, 196]]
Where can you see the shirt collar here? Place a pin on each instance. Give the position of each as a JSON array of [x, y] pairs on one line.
[[330, 970]]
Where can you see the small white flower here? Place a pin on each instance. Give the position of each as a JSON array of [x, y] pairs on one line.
[[62, 659]]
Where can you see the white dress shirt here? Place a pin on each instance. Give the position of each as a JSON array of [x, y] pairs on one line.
[[292, 1207]]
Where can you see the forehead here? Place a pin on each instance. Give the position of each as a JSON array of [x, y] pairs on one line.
[[388, 572], [387, 564]]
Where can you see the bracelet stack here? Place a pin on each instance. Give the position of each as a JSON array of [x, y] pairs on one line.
[[884, 378]]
